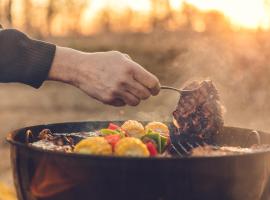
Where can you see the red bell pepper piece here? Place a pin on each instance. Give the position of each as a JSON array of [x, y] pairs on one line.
[[113, 139], [151, 148], [113, 126]]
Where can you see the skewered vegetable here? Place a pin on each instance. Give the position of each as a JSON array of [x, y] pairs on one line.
[[106, 131], [151, 148], [133, 128], [156, 138], [113, 139], [157, 127], [131, 147], [112, 130], [94, 145], [113, 126]]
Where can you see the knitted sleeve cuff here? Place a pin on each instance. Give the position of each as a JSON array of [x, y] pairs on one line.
[[23, 59]]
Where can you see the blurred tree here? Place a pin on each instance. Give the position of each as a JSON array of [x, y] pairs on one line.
[[128, 18], [267, 8], [73, 10], [104, 20], [51, 11], [27, 13], [216, 22], [69, 10], [161, 14], [187, 11], [6, 12]]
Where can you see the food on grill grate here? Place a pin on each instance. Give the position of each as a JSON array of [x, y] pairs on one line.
[[48, 145], [132, 147], [160, 141], [53, 142], [210, 150], [114, 141], [133, 128], [94, 146], [130, 139], [199, 112], [157, 127]]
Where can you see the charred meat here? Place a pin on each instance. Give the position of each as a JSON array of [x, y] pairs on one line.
[[210, 150], [199, 112], [47, 140]]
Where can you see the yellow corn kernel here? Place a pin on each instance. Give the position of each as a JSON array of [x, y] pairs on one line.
[[94, 145], [133, 128], [157, 127], [130, 146]]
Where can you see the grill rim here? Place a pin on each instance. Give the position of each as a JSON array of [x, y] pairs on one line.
[[11, 140]]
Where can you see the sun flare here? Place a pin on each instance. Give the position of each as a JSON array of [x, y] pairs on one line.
[[241, 13]]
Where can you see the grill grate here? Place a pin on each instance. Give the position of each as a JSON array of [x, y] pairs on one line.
[[182, 144]]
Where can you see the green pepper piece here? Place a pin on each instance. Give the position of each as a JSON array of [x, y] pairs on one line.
[[120, 132], [163, 141], [155, 137], [106, 131]]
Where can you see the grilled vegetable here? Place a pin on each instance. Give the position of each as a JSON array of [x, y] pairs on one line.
[[94, 145], [157, 127], [113, 139], [113, 126], [159, 140], [133, 128], [131, 147], [106, 131], [151, 148]]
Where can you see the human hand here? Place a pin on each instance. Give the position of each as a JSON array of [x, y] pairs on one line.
[[110, 77]]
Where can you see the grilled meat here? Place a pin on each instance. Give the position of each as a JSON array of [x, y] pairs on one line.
[[199, 112], [49, 141], [209, 150]]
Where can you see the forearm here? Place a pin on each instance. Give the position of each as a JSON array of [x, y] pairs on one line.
[[24, 60], [65, 65]]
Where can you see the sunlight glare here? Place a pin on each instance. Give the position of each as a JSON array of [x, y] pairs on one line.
[[241, 13], [245, 13]]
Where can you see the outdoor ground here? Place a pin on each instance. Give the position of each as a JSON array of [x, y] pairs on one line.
[[237, 63]]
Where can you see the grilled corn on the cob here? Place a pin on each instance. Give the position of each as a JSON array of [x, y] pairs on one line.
[[157, 127], [94, 145], [131, 147], [133, 128]]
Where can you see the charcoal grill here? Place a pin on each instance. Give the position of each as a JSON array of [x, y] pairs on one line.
[[47, 175]]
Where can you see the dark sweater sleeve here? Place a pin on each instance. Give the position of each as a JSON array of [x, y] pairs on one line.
[[23, 59]]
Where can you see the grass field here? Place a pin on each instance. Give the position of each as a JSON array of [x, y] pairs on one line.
[[238, 63]]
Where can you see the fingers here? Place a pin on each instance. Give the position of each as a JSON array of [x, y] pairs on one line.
[[117, 102], [129, 98], [138, 90], [121, 98], [146, 79]]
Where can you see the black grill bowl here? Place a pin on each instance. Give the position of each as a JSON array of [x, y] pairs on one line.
[[46, 175]]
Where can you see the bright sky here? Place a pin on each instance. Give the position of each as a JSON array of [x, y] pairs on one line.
[[245, 13]]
